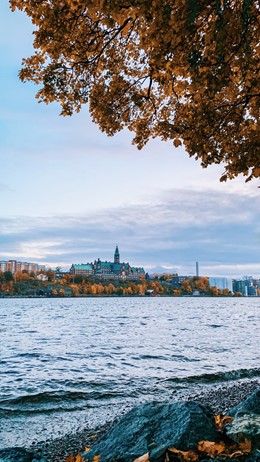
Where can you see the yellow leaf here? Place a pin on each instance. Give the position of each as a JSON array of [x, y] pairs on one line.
[[144, 458], [96, 458]]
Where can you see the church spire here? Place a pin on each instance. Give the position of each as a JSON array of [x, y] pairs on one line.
[[116, 256]]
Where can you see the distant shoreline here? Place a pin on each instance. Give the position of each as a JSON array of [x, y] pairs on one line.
[[124, 296]]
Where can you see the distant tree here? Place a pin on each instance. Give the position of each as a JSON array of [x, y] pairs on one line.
[[238, 294], [202, 284], [2, 277], [214, 291], [186, 287], [226, 292], [50, 275], [181, 70], [67, 278], [100, 288], [75, 289], [176, 292], [110, 289], [93, 289], [166, 277], [78, 278], [21, 276], [8, 276], [141, 289], [121, 290]]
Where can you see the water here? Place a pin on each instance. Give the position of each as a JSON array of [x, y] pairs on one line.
[[68, 363]]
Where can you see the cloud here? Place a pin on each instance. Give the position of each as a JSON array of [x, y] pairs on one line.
[[221, 231]]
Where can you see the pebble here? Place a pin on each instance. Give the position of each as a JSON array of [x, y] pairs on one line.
[[220, 398]]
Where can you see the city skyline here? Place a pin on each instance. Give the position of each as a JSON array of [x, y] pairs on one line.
[[68, 192], [13, 266]]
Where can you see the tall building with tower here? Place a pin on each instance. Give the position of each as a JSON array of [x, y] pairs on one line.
[[197, 268], [108, 269]]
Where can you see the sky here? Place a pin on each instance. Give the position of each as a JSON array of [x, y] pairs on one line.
[[70, 194]]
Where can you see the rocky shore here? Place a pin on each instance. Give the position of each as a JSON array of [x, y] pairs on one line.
[[220, 398]]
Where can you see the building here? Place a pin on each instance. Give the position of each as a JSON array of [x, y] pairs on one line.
[[13, 266], [247, 287], [239, 286], [109, 269], [178, 280], [221, 283]]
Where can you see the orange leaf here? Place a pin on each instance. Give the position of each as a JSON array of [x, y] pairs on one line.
[[187, 456], [96, 458], [70, 458], [144, 458], [211, 448], [79, 458], [222, 420], [245, 446]]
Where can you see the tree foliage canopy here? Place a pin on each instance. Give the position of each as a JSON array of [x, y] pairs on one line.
[[181, 70]]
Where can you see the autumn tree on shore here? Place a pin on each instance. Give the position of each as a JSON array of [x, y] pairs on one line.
[[181, 70]]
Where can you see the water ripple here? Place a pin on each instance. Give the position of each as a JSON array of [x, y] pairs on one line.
[[72, 360]]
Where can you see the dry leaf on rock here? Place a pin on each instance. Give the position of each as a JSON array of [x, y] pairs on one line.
[[70, 458], [186, 456], [235, 454], [75, 458], [79, 458], [211, 448], [245, 446], [144, 458], [222, 420]]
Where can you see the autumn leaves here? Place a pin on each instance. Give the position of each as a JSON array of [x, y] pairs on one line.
[[180, 70], [224, 448]]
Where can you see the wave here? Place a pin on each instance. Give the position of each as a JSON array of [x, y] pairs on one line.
[[50, 401], [217, 377], [84, 395]]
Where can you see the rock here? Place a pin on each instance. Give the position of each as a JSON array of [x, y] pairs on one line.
[[246, 423], [17, 454], [245, 426], [153, 428], [250, 405]]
